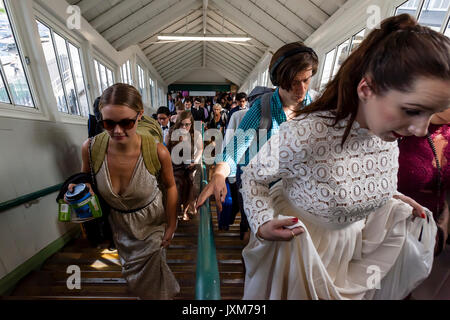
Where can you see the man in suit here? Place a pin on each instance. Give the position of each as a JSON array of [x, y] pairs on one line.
[[163, 116]]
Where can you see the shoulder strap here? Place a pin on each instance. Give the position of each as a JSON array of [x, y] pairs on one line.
[[150, 154], [149, 126], [266, 112], [99, 150]]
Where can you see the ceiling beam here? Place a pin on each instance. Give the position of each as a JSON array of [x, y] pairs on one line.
[[193, 62], [180, 75], [305, 8], [182, 63], [163, 18], [175, 58], [106, 19], [216, 21], [252, 28], [217, 68], [176, 26], [86, 5], [166, 48], [205, 14], [194, 54], [190, 66], [205, 18], [174, 53], [231, 67], [250, 54], [125, 26], [230, 56], [291, 20], [238, 51], [204, 54], [227, 58], [264, 19]]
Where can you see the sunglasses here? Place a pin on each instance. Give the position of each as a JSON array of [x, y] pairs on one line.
[[125, 124], [185, 124]]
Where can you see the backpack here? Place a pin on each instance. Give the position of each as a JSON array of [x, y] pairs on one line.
[[151, 133], [94, 128], [266, 113], [149, 152]]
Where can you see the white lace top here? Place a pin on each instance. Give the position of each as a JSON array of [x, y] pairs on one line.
[[333, 184]]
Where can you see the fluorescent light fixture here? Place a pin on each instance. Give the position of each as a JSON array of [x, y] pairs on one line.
[[204, 37]]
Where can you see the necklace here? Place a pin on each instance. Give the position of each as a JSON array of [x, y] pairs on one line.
[[433, 148]]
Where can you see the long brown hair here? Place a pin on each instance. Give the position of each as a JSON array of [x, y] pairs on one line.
[[122, 94], [182, 116], [391, 57]]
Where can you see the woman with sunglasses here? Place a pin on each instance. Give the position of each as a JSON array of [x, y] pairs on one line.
[[186, 148], [142, 224]]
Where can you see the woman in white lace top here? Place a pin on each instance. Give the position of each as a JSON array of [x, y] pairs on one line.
[[334, 226]]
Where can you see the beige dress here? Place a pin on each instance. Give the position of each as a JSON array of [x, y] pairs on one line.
[[138, 234], [359, 242]]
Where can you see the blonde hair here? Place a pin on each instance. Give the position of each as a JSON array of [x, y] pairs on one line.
[[218, 105], [122, 94]]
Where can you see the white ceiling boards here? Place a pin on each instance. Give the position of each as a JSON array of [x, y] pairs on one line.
[[269, 23]]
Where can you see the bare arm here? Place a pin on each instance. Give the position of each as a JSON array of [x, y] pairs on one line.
[[171, 201], [84, 166], [216, 186]]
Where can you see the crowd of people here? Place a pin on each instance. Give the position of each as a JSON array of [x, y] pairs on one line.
[[329, 186]]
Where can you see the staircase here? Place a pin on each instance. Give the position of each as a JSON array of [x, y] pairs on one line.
[[101, 271]]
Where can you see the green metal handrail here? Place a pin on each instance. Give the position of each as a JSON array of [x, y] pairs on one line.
[[29, 197], [207, 280]]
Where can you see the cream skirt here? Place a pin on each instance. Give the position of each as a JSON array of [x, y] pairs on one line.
[[380, 257]]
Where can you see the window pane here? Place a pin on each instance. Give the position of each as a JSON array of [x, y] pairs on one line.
[[342, 53], [3, 93], [79, 80], [12, 63], [327, 68], [140, 80], [409, 7], [66, 74], [110, 77], [123, 74], [265, 78], [357, 39], [97, 75], [50, 59], [152, 97], [130, 81], [103, 77], [433, 14]]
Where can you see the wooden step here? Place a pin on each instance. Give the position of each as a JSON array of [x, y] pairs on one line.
[[101, 276]]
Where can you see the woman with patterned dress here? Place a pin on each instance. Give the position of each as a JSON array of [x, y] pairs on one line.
[[321, 196]]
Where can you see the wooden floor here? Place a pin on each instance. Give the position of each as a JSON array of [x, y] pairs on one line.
[[101, 269]]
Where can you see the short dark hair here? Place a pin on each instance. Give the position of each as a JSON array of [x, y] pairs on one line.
[[163, 109], [286, 71], [188, 99], [197, 99], [241, 95]]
